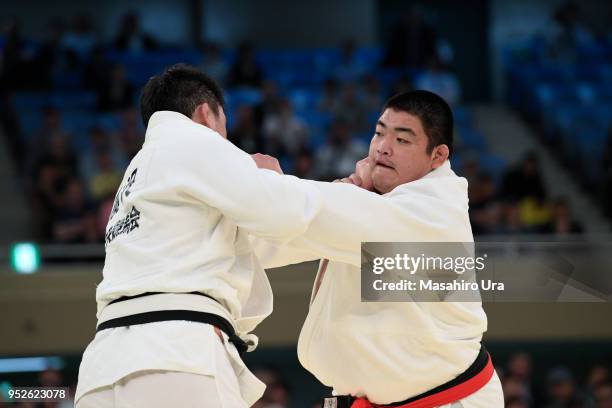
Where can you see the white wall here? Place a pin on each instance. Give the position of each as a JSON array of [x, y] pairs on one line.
[[279, 23]]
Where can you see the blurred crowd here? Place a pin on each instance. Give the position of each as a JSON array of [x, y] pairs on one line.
[[516, 202], [71, 179], [561, 80], [51, 378], [555, 387], [562, 388], [315, 112]]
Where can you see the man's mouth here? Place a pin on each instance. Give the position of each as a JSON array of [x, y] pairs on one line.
[[384, 165]]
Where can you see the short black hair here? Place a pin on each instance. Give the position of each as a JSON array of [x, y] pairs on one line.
[[434, 113], [180, 88]]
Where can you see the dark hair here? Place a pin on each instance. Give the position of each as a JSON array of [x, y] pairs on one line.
[[180, 88], [434, 113]]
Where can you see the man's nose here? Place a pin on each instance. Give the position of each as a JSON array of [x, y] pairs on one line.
[[384, 147]]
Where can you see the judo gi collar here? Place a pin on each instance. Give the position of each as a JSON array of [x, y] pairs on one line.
[[161, 117], [443, 171]]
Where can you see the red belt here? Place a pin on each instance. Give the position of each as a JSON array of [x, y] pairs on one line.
[[472, 380]]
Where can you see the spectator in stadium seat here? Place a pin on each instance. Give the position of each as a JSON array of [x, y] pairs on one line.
[[603, 395], [411, 41], [130, 38], [514, 389], [105, 181], [284, 132], [53, 378], [470, 168], [11, 130], [50, 378], [52, 124], [561, 389], [516, 403], [46, 198], [246, 71], [49, 56], [246, 133], [510, 222], [338, 156], [213, 63], [60, 155], [270, 102], [439, 79], [403, 84], [348, 68], [75, 221], [524, 180], [131, 134], [277, 392], [566, 31], [304, 165], [519, 366], [14, 55], [96, 69], [484, 210], [351, 110], [535, 214], [598, 374], [116, 93], [99, 141], [372, 95], [561, 222], [330, 99], [80, 38]]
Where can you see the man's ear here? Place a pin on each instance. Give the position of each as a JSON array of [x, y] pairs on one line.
[[439, 155], [203, 115]]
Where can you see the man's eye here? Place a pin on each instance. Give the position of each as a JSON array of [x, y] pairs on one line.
[[377, 133], [402, 141]]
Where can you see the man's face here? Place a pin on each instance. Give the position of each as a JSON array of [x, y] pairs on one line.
[[398, 151]]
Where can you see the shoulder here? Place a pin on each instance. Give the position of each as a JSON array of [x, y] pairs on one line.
[[449, 189]]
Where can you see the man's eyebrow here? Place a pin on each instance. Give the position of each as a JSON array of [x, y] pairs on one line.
[[407, 130], [397, 129]]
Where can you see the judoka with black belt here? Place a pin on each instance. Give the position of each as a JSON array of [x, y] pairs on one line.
[[181, 287]]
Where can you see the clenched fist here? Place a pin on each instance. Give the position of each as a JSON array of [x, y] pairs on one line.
[[362, 177], [364, 173]]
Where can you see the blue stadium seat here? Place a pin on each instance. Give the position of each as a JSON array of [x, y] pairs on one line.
[[493, 164], [370, 56], [58, 99], [304, 99], [243, 96], [108, 121], [462, 116], [29, 122], [472, 139]]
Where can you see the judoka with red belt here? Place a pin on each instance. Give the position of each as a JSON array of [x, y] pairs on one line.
[[391, 354]]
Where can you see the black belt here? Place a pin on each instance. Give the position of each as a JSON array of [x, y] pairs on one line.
[[345, 401], [168, 315]]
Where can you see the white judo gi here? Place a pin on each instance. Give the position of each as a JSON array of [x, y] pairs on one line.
[[181, 223], [385, 351]]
